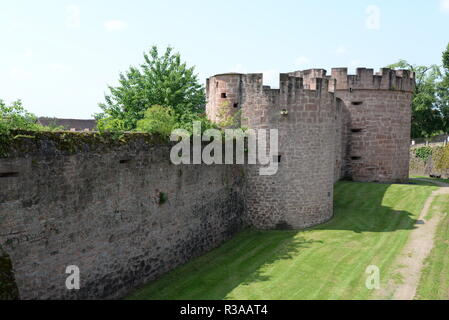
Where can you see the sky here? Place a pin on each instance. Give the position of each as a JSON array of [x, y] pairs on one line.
[[59, 56]]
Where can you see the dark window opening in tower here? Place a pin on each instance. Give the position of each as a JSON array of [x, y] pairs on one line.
[[356, 130], [223, 95], [236, 105], [357, 103], [356, 158]]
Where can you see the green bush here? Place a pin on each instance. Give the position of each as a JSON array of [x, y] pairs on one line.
[[15, 117], [158, 120], [110, 124], [423, 153], [441, 158]]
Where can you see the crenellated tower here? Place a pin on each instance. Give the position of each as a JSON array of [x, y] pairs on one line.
[[380, 122], [300, 195], [330, 127]]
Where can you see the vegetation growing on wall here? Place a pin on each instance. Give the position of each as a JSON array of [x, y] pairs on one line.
[[430, 160], [441, 158], [423, 153]]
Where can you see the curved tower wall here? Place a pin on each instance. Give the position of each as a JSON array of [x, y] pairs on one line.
[[380, 122], [300, 195], [223, 93]]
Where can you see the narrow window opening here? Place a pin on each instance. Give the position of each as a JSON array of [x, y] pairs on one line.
[[356, 130], [350, 89], [224, 95], [236, 105], [357, 103], [356, 158], [278, 159], [125, 161], [9, 174]]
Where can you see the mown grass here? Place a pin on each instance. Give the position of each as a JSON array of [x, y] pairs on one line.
[[434, 282], [428, 178], [371, 226]]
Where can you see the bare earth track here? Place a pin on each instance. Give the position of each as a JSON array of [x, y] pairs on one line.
[[418, 247]]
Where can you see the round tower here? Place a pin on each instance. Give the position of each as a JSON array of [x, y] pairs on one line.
[[380, 122], [300, 193], [224, 95]]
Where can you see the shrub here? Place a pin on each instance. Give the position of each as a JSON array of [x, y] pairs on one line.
[[158, 120], [110, 124], [15, 117], [423, 153], [441, 158]]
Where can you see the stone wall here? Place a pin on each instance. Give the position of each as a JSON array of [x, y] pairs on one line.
[[121, 212], [436, 164]]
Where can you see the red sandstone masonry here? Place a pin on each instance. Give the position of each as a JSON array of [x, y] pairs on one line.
[[338, 126]]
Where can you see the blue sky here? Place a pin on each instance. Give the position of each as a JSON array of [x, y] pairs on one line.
[[59, 56]]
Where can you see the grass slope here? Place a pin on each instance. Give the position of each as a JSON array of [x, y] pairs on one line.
[[371, 226]]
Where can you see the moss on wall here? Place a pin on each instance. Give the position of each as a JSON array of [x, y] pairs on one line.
[[8, 287], [21, 142]]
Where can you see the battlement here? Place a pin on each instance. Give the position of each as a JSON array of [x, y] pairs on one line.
[[309, 80], [318, 80], [366, 79]]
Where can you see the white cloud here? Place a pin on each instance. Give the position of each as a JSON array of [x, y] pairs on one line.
[[301, 61], [373, 19], [73, 17], [444, 5], [341, 49], [115, 25], [271, 78]]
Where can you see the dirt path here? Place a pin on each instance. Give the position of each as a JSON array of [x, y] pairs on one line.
[[418, 247]]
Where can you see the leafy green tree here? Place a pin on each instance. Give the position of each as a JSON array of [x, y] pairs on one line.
[[443, 92], [161, 80], [14, 117], [426, 115], [158, 119]]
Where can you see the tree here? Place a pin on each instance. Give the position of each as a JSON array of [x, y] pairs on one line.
[[158, 120], [426, 115], [161, 80], [15, 117], [443, 92]]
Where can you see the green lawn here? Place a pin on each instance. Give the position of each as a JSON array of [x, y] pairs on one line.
[[434, 283], [429, 178], [371, 226]]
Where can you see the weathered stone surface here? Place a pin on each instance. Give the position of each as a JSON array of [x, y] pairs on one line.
[[101, 211], [8, 286]]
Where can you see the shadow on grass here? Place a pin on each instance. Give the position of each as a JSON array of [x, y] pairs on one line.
[[244, 260], [359, 207]]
